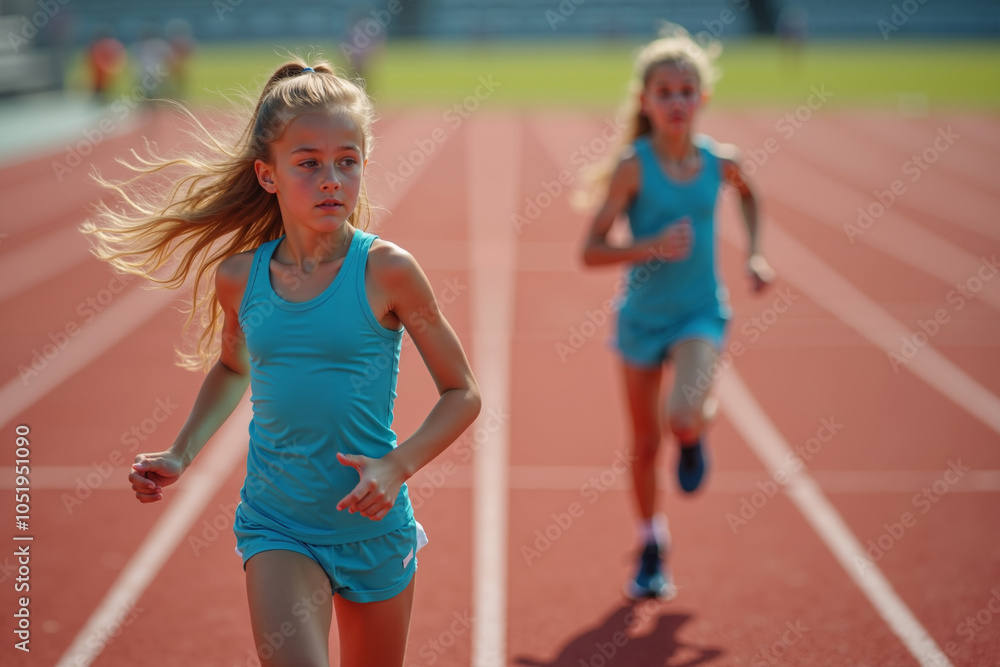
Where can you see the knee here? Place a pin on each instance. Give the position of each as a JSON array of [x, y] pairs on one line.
[[281, 649], [291, 658], [685, 423]]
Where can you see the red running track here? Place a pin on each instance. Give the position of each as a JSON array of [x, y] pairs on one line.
[[759, 590]]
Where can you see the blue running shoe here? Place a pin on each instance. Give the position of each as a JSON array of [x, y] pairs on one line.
[[691, 467], [653, 579]]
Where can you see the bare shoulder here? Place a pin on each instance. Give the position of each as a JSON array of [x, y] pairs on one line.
[[236, 266], [728, 153], [231, 278], [626, 174], [390, 264], [628, 161]]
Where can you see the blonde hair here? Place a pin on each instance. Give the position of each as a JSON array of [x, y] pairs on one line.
[[676, 46], [217, 208]]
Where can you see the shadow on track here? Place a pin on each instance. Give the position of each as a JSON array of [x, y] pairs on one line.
[[640, 634]]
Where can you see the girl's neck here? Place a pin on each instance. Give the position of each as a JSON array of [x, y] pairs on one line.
[[306, 248], [673, 147]]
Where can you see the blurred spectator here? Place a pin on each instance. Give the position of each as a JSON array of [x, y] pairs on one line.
[[182, 47], [792, 28], [154, 62], [106, 59], [364, 38]]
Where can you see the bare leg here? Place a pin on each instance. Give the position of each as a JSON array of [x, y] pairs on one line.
[[691, 405], [290, 609], [643, 388], [373, 634]]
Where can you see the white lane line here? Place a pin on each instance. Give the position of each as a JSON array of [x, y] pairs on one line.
[[202, 480], [95, 477], [493, 155], [107, 329], [893, 234], [756, 428], [802, 268], [42, 259]]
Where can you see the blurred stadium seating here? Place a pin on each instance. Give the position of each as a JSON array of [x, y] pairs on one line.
[[248, 19]]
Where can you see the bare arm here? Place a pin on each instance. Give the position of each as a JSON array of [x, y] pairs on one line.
[[673, 244], [220, 393], [760, 271], [407, 293]]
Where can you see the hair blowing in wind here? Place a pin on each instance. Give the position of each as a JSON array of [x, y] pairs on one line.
[[185, 214]]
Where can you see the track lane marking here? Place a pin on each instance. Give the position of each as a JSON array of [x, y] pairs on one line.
[[110, 327], [800, 267], [893, 234], [493, 155], [40, 260], [759, 432], [201, 482], [571, 477]]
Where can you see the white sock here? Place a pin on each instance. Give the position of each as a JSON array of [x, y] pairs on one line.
[[654, 530]]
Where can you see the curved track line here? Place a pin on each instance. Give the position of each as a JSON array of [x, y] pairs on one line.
[[770, 447]]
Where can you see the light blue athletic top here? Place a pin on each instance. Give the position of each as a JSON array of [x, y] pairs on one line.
[[323, 380], [662, 292]]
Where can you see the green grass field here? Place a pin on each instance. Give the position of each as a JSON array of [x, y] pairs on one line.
[[945, 74]]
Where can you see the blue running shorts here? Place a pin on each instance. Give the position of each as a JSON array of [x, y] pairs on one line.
[[370, 570]]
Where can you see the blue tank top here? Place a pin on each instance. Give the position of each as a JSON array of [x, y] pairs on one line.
[[323, 380], [662, 291]]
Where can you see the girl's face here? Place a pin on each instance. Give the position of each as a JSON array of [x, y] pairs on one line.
[[671, 97], [318, 162]]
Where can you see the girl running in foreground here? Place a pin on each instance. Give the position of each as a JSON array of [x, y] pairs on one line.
[[676, 309], [311, 309]]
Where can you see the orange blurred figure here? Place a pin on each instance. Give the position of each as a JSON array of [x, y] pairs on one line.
[[106, 58]]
